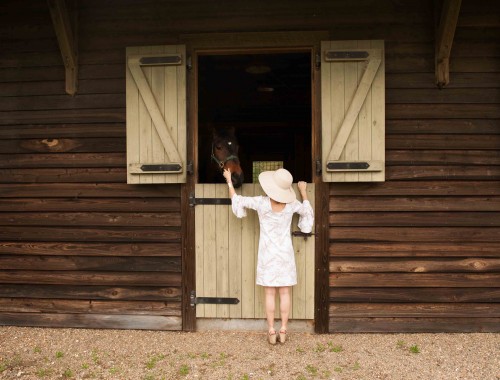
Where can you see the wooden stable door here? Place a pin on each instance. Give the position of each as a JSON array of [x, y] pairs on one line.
[[226, 258]]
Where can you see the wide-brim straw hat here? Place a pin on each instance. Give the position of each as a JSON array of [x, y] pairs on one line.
[[278, 185]]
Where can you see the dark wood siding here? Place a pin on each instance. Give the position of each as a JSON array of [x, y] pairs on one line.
[[79, 247], [421, 252]]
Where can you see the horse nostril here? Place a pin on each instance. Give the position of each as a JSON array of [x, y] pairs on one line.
[[237, 179]]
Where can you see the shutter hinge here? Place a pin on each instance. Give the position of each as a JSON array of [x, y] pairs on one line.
[[189, 62], [318, 61], [189, 167], [318, 167]]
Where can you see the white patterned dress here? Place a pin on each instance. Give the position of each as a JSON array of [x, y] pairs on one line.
[[276, 257]]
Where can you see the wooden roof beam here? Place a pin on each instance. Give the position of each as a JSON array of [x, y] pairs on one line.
[[67, 42], [444, 40]]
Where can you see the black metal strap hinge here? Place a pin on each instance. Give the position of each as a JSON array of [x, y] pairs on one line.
[[208, 201], [212, 300]]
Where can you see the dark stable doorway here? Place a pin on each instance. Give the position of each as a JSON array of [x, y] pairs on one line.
[[266, 98]]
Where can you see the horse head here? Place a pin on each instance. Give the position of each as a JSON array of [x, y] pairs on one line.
[[225, 153]]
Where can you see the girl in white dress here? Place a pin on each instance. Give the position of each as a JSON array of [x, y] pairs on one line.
[[276, 257]]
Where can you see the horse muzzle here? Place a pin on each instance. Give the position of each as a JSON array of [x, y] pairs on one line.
[[237, 179]]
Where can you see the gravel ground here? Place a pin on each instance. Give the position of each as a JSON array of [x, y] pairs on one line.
[[43, 353]]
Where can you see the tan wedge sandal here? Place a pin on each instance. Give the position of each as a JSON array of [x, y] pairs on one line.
[[271, 337], [282, 336]]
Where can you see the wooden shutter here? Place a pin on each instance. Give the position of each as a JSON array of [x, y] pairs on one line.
[[353, 111], [156, 114]]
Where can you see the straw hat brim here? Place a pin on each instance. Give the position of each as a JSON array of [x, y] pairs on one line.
[[274, 191]]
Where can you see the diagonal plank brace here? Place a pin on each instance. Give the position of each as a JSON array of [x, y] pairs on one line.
[[134, 65], [374, 58]]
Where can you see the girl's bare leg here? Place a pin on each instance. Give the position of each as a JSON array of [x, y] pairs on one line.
[[284, 306], [270, 306]]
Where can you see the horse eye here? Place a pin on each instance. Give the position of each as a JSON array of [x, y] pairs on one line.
[[229, 143], [219, 147]]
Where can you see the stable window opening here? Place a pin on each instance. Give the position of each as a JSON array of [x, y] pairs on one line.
[[266, 98]]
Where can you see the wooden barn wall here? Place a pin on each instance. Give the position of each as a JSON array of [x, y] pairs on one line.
[[79, 247]]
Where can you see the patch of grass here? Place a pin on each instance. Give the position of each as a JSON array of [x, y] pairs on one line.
[[335, 348], [37, 350], [401, 344], [114, 370], [356, 366], [326, 374], [149, 377], [414, 349], [245, 377], [191, 355], [43, 372], [3, 366], [59, 354], [312, 369], [95, 357], [338, 369], [68, 374], [205, 355], [300, 350], [320, 347], [184, 370], [85, 366], [154, 360], [301, 377]]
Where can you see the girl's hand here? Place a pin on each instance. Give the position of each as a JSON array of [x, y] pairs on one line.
[[302, 186], [227, 175]]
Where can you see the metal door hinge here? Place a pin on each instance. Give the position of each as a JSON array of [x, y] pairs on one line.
[[193, 201], [211, 300], [189, 167], [189, 63]]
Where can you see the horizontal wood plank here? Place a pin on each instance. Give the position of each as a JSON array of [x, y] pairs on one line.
[[103, 234], [414, 310], [413, 204], [443, 172], [63, 131], [125, 293], [420, 188], [420, 234], [442, 157], [97, 321], [114, 115], [409, 265], [93, 263], [442, 126], [443, 142], [416, 219], [415, 249], [51, 175], [63, 160], [135, 249], [111, 191], [146, 219], [90, 278], [32, 305], [91, 204], [411, 295], [442, 111], [413, 325], [411, 280]]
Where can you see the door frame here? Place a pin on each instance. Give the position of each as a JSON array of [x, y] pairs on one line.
[[238, 43]]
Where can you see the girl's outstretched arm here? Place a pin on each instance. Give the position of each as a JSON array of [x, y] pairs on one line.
[[302, 189], [227, 176]]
